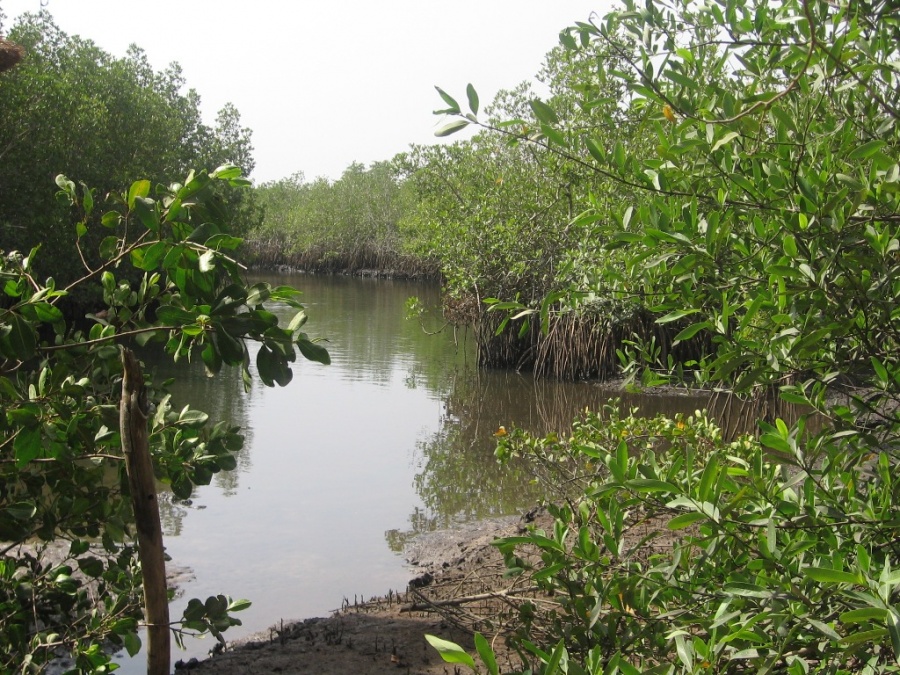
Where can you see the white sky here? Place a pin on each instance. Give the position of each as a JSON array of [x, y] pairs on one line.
[[326, 83]]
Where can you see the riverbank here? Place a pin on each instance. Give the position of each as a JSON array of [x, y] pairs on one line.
[[386, 634]]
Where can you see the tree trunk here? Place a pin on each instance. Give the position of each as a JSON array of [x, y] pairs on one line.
[[133, 425]]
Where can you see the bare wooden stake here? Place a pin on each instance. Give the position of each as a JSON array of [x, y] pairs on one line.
[[133, 415]]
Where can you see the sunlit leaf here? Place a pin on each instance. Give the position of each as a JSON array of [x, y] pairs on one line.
[[451, 128], [449, 100], [866, 150], [450, 651]]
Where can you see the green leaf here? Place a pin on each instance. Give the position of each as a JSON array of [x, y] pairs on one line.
[[147, 212], [139, 188], [132, 643], [271, 368], [486, 654], [297, 322], [824, 629], [202, 233], [864, 614], [258, 294], [893, 626], [473, 98], [65, 184], [153, 255], [850, 181], [28, 445], [223, 241], [192, 418], [449, 100], [88, 200], [748, 590], [182, 487], [556, 658], [619, 155], [554, 136], [109, 247], [595, 150], [685, 520], [676, 315], [230, 348], [238, 605], [212, 359], [649, 485], [865, 636], [91, 566], [776, 442], [450, 651], [195, 610], [47, 313], [227, 172], [111, 219], [313, 351], [22, 511], [865, 150], [727, 138], [880, 370], [691, 331], [20, 341], [832, 576], [174, 316], [543, 112], [451, 128]]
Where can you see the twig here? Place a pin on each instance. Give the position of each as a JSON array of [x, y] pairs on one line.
[[456, 602]]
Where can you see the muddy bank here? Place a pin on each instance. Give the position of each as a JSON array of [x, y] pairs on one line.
[[383, 635]]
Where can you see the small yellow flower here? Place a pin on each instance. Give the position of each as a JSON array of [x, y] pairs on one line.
[[680, 424], [669, 114], [500, 432], [624, 433]]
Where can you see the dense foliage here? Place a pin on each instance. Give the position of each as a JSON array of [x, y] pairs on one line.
[[61, 465], [155, 266], [71, 106], [759, 218], [352, 224]]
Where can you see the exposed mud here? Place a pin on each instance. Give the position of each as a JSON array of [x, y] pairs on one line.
[[386, 635]]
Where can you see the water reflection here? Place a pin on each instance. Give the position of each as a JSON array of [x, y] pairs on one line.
[[393, 439]]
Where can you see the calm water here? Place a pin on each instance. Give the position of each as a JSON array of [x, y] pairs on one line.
[[350, 460]]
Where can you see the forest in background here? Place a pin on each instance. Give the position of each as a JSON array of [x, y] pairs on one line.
[[105, 120]]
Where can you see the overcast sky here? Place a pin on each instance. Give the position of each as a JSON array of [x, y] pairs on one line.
[[326, 83]]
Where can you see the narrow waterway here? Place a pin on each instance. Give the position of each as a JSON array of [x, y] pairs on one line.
[[341, 467]]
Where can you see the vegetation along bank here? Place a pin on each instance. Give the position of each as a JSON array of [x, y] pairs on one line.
[[708, 195]]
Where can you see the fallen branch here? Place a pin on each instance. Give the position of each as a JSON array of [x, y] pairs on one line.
[[456, 602]]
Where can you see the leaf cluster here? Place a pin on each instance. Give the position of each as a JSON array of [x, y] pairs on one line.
[[758, 220], [674, 551], [107, 119]]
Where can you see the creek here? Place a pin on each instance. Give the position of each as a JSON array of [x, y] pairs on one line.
[[344, 465]]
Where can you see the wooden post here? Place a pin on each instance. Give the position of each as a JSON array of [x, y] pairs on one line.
[[133, 415]]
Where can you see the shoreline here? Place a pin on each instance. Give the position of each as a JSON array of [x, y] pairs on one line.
[[383, 634]]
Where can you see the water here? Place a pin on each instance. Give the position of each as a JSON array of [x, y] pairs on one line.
[[341, 467]]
